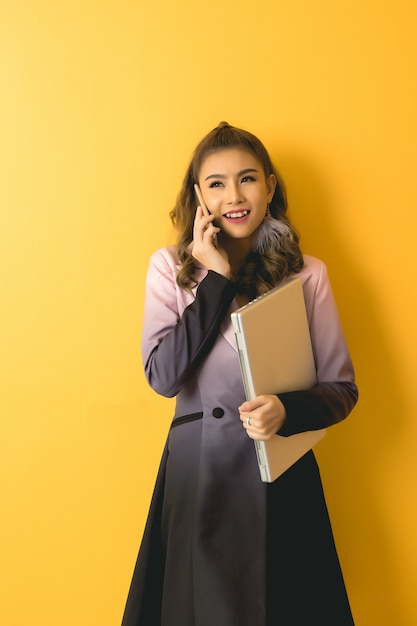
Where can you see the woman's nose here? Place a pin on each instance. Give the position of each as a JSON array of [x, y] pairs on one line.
[[234, 195]]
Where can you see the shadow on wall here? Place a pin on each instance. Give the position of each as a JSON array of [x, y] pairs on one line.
[[352, 453]]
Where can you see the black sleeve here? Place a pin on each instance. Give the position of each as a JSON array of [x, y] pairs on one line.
[[320, 407], [179, 352]]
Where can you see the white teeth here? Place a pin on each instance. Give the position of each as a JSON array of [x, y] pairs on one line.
[[234, 215]]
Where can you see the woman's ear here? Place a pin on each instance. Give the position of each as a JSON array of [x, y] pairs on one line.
[[271, 183]]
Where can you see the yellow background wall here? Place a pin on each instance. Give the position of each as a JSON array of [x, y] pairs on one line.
[[101, 105]]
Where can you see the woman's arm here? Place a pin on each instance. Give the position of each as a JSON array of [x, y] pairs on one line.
[[174, 345], [324, 405], [336, 393]]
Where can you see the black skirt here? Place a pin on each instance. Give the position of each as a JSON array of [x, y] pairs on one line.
[[304, 582]]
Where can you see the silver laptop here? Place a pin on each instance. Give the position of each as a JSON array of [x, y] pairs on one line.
[[276, 356]]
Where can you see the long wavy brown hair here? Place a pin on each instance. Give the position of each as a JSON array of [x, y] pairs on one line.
[[260, 272]]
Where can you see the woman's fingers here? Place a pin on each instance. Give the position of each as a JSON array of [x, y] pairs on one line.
[[205, 249], [203, 227], [263, 417]]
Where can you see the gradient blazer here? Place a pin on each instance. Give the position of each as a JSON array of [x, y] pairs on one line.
[[220, 546]]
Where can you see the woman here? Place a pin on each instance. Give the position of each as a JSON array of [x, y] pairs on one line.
[[222, 548]]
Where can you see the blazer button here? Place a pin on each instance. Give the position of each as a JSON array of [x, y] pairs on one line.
[[217, 412]]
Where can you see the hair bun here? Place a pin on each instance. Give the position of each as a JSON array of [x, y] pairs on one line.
[[223, 125]]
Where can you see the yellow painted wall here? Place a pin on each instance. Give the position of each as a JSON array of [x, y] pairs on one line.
[[101, 104]]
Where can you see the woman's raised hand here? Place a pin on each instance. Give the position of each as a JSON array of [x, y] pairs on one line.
[[205, 246]]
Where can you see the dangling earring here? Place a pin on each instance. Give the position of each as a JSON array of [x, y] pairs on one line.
[[269, 234]]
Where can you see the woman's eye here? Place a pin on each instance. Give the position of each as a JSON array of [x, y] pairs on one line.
[[215, 183], [246, 179]]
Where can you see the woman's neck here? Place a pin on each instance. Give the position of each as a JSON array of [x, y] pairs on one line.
[[237, 251]]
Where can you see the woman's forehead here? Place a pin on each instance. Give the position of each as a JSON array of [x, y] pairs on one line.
[[229, 160]]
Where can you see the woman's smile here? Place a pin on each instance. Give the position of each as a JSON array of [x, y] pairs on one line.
[[237, 216]]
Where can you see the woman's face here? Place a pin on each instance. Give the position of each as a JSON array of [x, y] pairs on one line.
[[236, 191]]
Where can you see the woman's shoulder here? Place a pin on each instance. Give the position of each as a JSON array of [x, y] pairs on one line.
[[163, 266], [313, 265], [314, 271], [165, 259]]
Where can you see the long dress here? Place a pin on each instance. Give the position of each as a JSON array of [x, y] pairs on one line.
[[220, 547]]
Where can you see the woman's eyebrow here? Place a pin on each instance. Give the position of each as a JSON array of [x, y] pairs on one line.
[[241, 173]]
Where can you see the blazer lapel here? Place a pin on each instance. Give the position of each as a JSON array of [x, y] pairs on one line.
[[226, 328]]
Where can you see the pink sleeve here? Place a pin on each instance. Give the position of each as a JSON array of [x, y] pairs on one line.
[[333, 361]]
